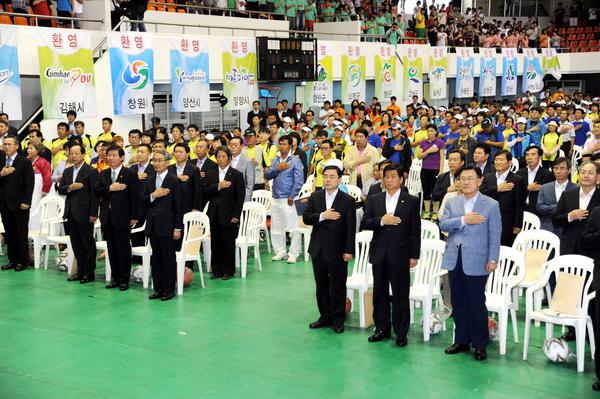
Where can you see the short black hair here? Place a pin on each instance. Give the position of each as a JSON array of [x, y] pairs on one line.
[[361, 131], [327, 141], [333, 167], [509, 156], [182, 145], [367, 122], [392, 167], [100, 143], [224, 149], [193, 126], [135, 131], [147, 146], [560, 160], [78, 123], [457, 151], [485, 147], [286, 138], [237, 138], [63, 124], [534, 147], [109, 120], [119, 150], [470, 167], [72, 112]]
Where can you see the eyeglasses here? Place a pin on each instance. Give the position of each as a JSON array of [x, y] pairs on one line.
[[467, 179]]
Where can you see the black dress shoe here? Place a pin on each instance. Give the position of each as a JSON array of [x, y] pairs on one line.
[[457, 348], [596, 386], [227, 277], [168, 296], [319, 324], [123, 287], [155, 295], [480, 354], [338, 328], [215, 276], [87, 279], [112, 284], [9, 266], [380, 336], [20, 267], [569, 336], [75, 277], [401, 340]]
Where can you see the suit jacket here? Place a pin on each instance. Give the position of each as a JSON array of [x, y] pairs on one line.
[[590, 237], [192, 190], [302, 155], [207, 166], [398, 244], [261, 114], [478, 243], [512, 203], [227, 203], [246, 167], [331, 238], [375, 189], [471, 143], [165, 214], [569, 239], [442, 183], [542, 177], [118, 207], [150, 172], [80, 204], [546, 203], [16, 188]]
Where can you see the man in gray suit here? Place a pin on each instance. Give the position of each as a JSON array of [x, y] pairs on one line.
[[550, 194], [242, 163], [473, 223]]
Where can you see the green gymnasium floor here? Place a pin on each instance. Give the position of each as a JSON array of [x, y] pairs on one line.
[[237, 339]]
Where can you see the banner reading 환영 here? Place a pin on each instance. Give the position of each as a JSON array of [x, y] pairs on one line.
[[465, 72], [10, 81], [487, 72], [438, 73], [509, 72], [66, 73], [533, 79], [550, 64], [190, 84], [412, 71], [385, 72], [353, 75], [132, 72], [240, 84], [321, 90]]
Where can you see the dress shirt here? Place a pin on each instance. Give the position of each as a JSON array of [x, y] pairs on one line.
[[115, 173], [222, 173], [160, 178], [559, 189], [179, 169], [468, 204], [11, 160], [329, 198], [200, 162], [142, 168], [76, 172], [501, 178], [584, 199], [531, 178], [234, 161]]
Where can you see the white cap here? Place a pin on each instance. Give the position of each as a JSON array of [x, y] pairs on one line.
[[335, 162], [521, 120], [561, 102], [442, 108], [287, 119], [338, 127], [210, 136], [470, 118], [458, 117], [398, 117], [424, 106], [306, 129], [505, 108], [337, 123], [484, 109], [552, 123], [543, 105], [344, 121], [585, 102]]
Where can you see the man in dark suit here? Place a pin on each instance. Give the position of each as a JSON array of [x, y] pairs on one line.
[[397, 148], [81, 211], [445, 181], [189, 175], [481, 158], [509, 190], [16, 190], [226, 190], [256, 111], [144, 170], [535, 176], [163, 196], [204, 164], [332, 214], [551, 192], [119, 191], [394, 218]]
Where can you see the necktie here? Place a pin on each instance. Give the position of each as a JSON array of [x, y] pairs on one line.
[[159, 180], [75, 171], [114, 175], [9, 162]]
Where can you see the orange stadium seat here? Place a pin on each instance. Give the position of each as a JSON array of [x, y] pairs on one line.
[[5, 19], [21, 21]]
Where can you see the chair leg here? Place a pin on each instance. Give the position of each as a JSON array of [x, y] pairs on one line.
[[411, 308], [180, 272], [37, 248], [350, 294], [70, 259], [146, 269], [207, 255], [513, 316], [580, 343], [199, 262], [502, 329], [244, 258], [237, 256], [515, 294], [361, 309], [257, 256], [306, 237], [526, 337], [46, 256], [267, 238], [549, 330], [108, 270], [537, 304], [590, 330], [426, 304]]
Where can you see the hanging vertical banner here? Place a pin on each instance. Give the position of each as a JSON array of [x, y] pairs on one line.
[[412, 68], [132, 72], [509, 72], [190, 84], [321, 90], [240, 84], [438, 73], [66, 73], [550, 64], [487, 72], [385, 72], [465, 72], [353, 75], [10, 81], [533, 79]]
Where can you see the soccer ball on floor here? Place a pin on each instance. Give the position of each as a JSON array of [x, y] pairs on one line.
[[557, 350], [137, 274], [435, 324], [492, 326]]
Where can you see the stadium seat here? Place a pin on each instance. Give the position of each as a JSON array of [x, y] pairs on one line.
[[570, 30], [581, 36], [181, 10], [562, 31], [596, 29], [572, 37], [151, 7], [579, 29], [589, 36], [5, 19], [593, 43], [588, 29], [21, 21]]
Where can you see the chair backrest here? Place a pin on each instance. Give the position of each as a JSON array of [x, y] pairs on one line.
[[509, 272], [514, 166], [305, 191], [254, 216], [346, 179], [538, 239], [50, 210], [430, 261], [354, 191], [530, 221], [263, 197], [362, 245], [196, 227], [577, 265], [429, 230], [413, 182], [310, 180], [575, 158]]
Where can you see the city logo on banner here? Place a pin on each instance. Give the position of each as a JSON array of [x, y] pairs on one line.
[[135, 75], [197, 75], [354, 75]]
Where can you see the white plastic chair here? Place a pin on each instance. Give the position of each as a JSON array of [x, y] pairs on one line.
[[103, 246], [196, 227], [413, 182], [303, 229], [575, 158], [500, 284], [264, 198], [253, 217], [355, 192], [143, 251], [426, 283], [514, 165], [50, 212], [429, 230], [206, 249], [361, 278], [577, 265], [346, 179], [2, 231], [530, 221], [310, 180]]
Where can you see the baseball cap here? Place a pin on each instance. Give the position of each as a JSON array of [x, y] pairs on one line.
[[306, 129], [210, 136], [522, 120], [287, 119], [335, 162], [396, 126], [553, 123], [486, 123]]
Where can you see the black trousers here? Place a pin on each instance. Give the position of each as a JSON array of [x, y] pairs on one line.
[[597, 333], [398, 276], [330, 278], [81, 235], [468, 307], [118, 243], [163, 263], [428, 177], [16, 227], [222, 244]]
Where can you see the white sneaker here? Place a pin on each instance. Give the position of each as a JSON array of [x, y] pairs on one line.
[[280, 256], [291, 259]]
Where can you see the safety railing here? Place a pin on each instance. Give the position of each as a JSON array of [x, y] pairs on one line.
[[16, 18]]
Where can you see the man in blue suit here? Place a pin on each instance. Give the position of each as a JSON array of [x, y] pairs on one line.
[[550, 194], [473, 223]]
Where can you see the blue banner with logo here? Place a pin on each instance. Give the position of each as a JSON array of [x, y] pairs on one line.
[[465, 72], [487, 72], [132, 72], [10, 82], [533, 78], [190, 83], [509, 72]]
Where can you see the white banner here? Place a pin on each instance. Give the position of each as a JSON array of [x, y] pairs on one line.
[[10, 80], [321, 90], [465, 72], [487, 72], [438, 73]]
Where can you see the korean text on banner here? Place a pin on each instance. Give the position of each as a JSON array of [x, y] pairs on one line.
[[509, 72], [240, 84], [66, 73], [465, 72], [353, 74], [321, 90], [487, 72]]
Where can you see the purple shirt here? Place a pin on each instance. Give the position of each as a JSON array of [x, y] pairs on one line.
[[431, 161]]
